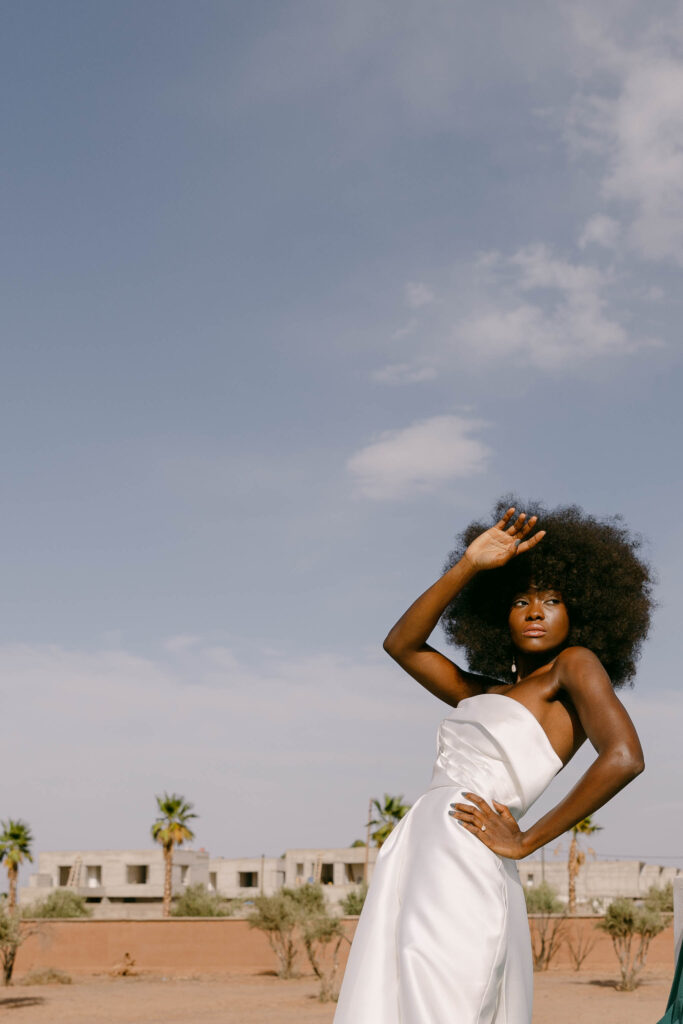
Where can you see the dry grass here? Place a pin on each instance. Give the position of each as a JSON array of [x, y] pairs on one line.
[[46, 976]]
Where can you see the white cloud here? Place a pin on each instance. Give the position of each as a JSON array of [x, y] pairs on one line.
[[631, 115], [600, 230], [533, 308], [419, 458], [386, 74], [418, 294], [542, 309], [103, 731], [281, 753]]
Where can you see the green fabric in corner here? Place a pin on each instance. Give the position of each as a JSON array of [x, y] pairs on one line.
[[674, 1008]]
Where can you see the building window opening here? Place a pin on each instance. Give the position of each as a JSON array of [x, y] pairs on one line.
[[93, 876], [64, 870], [136, 874], [299, 871], [184, 874], [248, 879], [529, 880], [327, 874], [213, 881], [355, 873]]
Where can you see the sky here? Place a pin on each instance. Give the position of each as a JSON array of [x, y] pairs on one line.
[[291, 293]]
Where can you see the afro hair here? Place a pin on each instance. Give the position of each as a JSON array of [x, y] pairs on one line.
[[594, 563]]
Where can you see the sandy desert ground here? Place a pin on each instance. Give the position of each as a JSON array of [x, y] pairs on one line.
[[561, 998]]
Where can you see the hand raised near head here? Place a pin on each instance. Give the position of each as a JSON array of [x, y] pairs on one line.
[[504, 541]]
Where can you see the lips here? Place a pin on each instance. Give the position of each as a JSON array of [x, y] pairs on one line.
[[534, 631]]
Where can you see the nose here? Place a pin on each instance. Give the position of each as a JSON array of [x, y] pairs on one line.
[[535, 611]]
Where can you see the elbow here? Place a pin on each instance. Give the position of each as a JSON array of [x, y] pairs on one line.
[[393, 646], [629, 763], [635, 760], [390, 645]]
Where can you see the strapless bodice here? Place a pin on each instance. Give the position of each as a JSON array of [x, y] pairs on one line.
[[495, 747]]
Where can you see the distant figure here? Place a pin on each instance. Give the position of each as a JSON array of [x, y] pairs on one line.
[[125, 969], [546, 617]]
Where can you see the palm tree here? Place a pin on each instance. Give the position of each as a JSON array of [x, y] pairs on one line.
[[15, 847], [390, 813], [171, 829], [586, 827]]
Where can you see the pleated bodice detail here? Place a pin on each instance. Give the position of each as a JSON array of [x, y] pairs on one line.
[[493, 745]]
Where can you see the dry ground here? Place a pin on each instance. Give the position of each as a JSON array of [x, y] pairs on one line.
[[561, 998]]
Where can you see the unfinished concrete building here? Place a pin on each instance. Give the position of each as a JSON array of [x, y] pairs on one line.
[[130, 883], [116, 883]]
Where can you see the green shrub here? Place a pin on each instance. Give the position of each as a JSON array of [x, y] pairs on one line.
[[278, 916], [295, 917], [661, 899], [60, 903], [624, 922], [322, 935], [548, 925], [11, 937], [542, 899], [197, 901], [353, 902]]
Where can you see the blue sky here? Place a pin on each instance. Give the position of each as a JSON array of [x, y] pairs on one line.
[[292, 292]]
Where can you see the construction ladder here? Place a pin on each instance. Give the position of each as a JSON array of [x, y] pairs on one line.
[[74, 879]]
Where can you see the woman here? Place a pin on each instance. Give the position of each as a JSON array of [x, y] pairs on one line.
[[443, 937]]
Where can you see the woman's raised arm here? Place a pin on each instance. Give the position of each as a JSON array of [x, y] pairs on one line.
[[406, 641]]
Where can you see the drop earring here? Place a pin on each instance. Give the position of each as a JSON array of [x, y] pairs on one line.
[[513, 666]]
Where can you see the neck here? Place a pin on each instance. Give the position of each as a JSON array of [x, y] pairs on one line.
[[529, 665]]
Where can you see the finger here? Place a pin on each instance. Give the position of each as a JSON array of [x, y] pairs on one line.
[[502, 523], [465, 810], [466, 819], [480, 802], [529, 525], [527, 545], [517, 525], [476, 830], [503, 810]]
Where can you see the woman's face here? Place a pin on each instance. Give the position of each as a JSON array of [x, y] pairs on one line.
[[538, 620]]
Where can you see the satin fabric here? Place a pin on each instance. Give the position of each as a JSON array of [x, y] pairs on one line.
[[443, 937]]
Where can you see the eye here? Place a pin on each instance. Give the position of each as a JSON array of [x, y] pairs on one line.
[[519, 602]]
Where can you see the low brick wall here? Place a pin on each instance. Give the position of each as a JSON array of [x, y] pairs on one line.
[[174, 946], [220, 945]]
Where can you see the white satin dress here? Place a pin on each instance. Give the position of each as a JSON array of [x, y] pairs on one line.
[[444, 937]]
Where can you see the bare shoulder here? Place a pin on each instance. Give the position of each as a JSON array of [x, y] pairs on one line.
[[582, 676], [579, 663]]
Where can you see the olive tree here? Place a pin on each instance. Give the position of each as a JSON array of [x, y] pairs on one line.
[[12, 934], [296, 918], [547, 923], [631, 930]]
